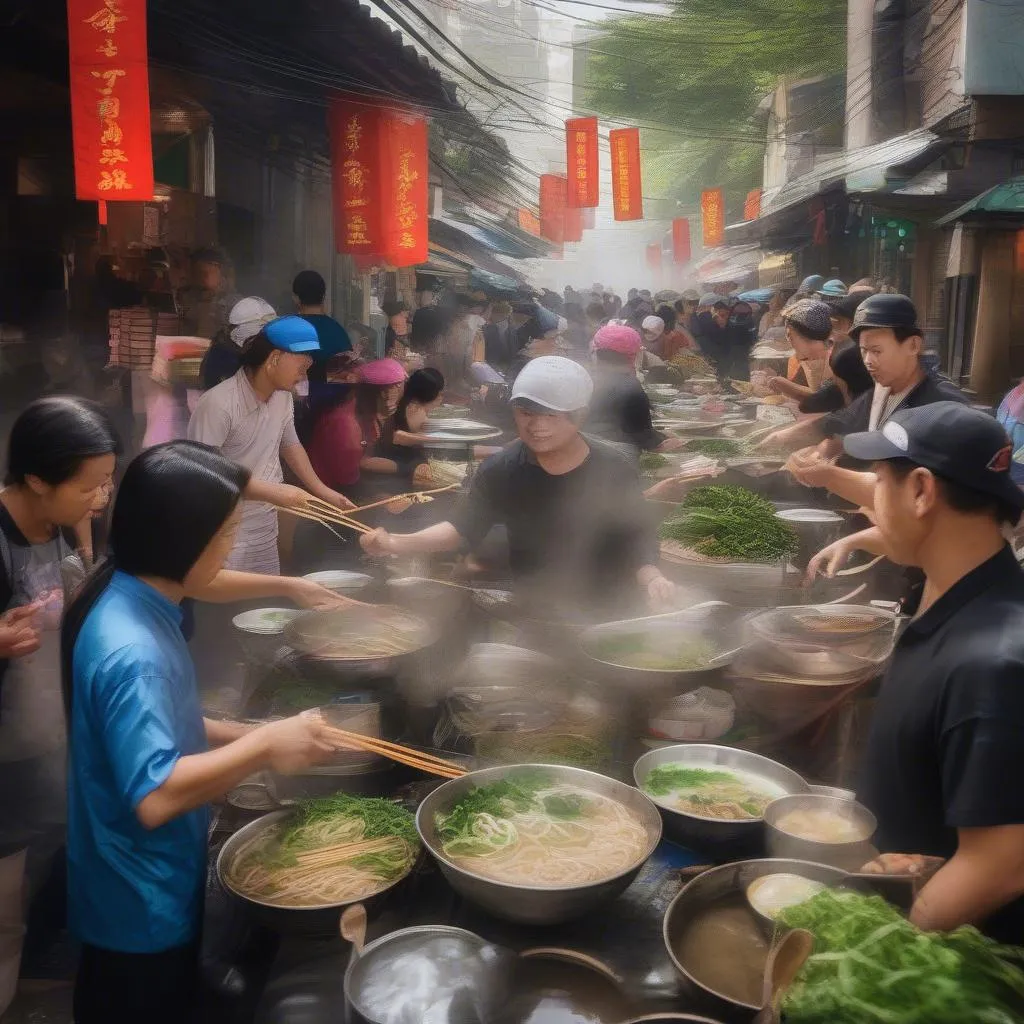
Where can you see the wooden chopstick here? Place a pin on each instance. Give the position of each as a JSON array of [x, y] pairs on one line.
[[317, 518], [411, 496], [328, 511], [403, 755]]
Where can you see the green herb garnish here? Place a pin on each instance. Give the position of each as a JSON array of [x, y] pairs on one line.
[[666, 778], [724, 447], [871, 965], [730, 522], [651, 462]]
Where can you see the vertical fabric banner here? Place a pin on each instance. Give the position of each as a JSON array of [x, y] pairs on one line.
[[752, 205], [581, 152], [573, 223], [627, 187], [552, 208], [529, 222], [355, 176], [681, 250], [404, 188], [654, 256], [712, 210], [110, 124]]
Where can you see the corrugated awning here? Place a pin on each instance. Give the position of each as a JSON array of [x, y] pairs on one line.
[[1005, 201], [728, 263]]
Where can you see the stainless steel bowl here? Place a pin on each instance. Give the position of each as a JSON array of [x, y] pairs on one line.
[[668, 1018], [727, 882], [523, 903], [717, 838], [315, 920], [836, 792], [849, 856], [712, 623]]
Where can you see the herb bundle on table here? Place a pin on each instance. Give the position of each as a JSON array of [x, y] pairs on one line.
[[732, 523]]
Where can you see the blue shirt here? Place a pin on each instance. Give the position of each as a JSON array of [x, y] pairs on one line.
[[332, 336], [135, 711]]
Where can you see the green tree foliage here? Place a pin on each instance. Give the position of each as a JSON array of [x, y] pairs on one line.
[[692, 74]]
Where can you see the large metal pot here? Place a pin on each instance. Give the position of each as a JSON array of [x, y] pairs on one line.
[[314, 920], [720, 839], [728, 883], [713, 624], [523, 903], [397, 943]]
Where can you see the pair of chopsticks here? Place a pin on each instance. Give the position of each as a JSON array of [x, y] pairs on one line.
[[403, 755], [414, 497], [324, 513]]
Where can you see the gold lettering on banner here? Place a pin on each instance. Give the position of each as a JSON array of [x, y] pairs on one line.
[[109, 77], [107, 48], [107, 18], [407, 214], [113, 181], [113, 156]]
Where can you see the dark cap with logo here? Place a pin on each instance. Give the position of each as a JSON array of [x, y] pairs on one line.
[[895, 311], [952, 440]]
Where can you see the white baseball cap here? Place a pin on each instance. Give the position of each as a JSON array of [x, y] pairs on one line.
[[554, 382], [654, 324], [248, 317]]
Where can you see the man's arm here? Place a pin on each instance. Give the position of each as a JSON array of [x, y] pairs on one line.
[[298, 462], [218, 733], [229, 586], [804, 432], [433, 540], [814, 470], [985, 874]]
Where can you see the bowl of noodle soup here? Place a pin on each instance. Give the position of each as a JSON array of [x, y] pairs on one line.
[[538, 844], [295, 869]]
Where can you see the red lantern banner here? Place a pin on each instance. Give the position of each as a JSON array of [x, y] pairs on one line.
[[582, 160], [552, 208], [712, 210], [529, 222], [380, 181], [404, 188], [752, 205], [110, 125], [654, 257], [681, 240], [627, 187]]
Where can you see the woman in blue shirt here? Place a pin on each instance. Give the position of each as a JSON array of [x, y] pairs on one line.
[[143, 761]]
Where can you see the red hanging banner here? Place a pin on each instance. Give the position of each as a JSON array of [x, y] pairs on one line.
[[529, 222], [379, 176], [110, 124], [404, 188], [582, 160], [752, 205], [654, 257], [355, 176], [681, 240], [627, 188], [552, 208], [712, 210], [573, 224]]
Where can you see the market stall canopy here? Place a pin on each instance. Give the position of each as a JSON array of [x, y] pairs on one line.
[[730, 263], [888, 167], [1003, 202], [497, 236], [451, 240]]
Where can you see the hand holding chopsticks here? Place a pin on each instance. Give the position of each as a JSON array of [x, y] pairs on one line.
[[423, 762]]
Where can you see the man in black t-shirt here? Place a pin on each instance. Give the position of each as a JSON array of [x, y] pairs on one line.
[[581, 539], [945, 758]]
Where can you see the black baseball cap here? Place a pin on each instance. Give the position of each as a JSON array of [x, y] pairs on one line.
[[895, 311], [954, 441]]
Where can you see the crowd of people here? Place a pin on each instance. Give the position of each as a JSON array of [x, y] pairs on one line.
[[103, 742]]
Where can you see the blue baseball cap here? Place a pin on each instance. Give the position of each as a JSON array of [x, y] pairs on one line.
[[292, 334]]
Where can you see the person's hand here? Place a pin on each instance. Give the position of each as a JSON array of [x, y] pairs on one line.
[[337, 499], [770, 441], [377, 542], [292, 497], [312, 596], [295, 744], [19, 631], [671, 444], [810, 467], [829, 560], [914, 866], [661, 593]]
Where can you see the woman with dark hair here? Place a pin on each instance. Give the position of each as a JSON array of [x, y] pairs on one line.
[[335, 439], [676, 338], [381, 385], [61, 458], [141, 772]]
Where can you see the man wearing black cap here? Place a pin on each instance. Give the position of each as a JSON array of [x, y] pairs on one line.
[[891, 343], [946, 752]]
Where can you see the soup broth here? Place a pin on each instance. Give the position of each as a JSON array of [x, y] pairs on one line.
[[711, 792]]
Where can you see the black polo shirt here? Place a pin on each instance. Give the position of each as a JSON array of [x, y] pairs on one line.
[[856, 417], [946, 749], [576, 540]]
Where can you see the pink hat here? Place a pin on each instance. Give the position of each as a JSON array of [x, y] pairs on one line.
[[382, 372], [618, 338]]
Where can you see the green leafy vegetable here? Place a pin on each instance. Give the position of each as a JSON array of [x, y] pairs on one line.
[[871, 965], [640, 650], [651, 462], [379, 817], [725, 447], [665, 778], [730, 522], [566, 805]]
